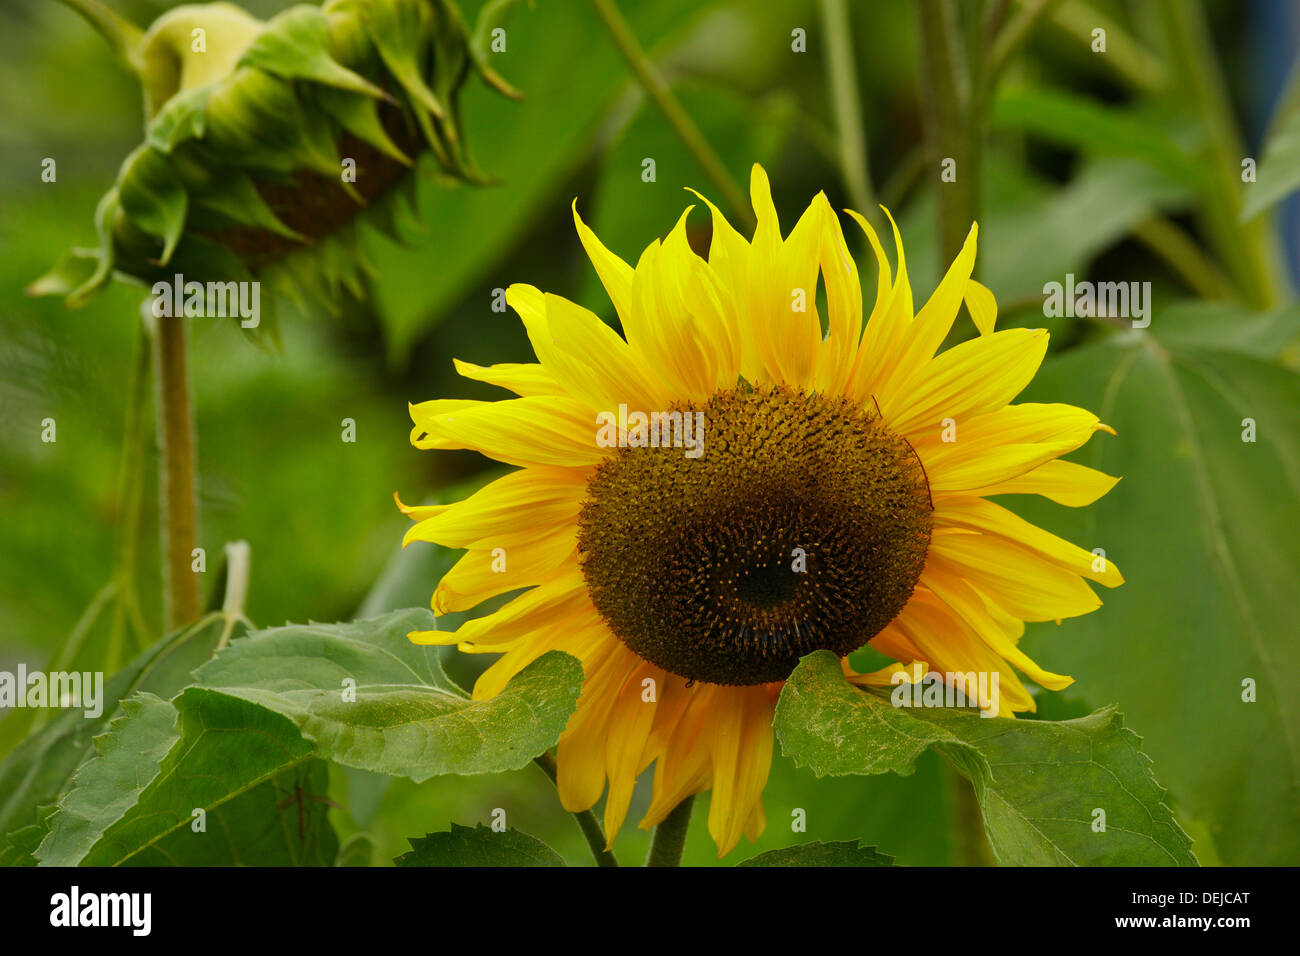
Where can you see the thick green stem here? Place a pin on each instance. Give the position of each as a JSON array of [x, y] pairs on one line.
[[947, 134], [970, 844], [846, 105], [177, 475], [587, 822], [657, 89], [122, 35], [1243, 247], [670, 836]]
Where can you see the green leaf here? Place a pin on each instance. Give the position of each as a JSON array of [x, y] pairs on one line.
[[1201, 526], [248, 769], [154, 197], [1073, 120], [847, 853], [1039, 782], [357, 850], [1034, 231], [19, 847], [1278, 172], [38, 770], [479, 846], [368, 698], [1226, 326], [294, 46]]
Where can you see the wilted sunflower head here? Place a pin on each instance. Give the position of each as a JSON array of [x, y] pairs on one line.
[[265, 141], [735, 482]]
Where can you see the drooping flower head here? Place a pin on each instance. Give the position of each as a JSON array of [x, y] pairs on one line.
[[266, 141], [733, 483]]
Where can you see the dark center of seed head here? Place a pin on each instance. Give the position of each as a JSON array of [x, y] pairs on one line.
[[803, 526]]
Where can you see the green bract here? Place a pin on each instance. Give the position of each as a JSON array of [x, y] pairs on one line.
[[264, 142]]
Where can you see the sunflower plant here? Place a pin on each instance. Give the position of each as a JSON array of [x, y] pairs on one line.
[[757, 503]]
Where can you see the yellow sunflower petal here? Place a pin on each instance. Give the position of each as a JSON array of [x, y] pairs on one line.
[[742, 758], [588, 358], [983, 307], [1028, 585], [988, 518], [969, 379], [1064, 482], [615, 274], [544, 430], [524, 379], [936, 317], [486, 572], [966, 603], [549, 496]]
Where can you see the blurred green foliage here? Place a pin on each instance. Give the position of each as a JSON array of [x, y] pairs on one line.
[[1082, 154]]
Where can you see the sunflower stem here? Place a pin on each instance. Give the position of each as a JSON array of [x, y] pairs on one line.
[[587, 822], [130, 493], [661, 95], [179, 506], [669, 839], [970, 844], [846, 104], [122, 35], [1243, 247], [946, 127]]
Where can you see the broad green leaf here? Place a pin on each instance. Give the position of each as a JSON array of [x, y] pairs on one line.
[[282, 822], [1039, 783], [479, 846], [1199, 645], [37, 771], [1034, 232], [19, 847], [1194, 324], [248, 769], [1278, 172], [368, 698], [1094, 128], [848, 853]]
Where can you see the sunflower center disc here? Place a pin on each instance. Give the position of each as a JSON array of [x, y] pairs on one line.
[[803, 525]]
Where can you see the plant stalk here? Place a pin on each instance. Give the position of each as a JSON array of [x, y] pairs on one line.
[[846, 105], [970, 844], [177, 472], [122, 35], [1243, 247], [587, 822], [669, 839], [661, 95], [946, 129]]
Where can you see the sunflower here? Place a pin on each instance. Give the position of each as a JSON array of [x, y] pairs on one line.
[[733, 484]]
